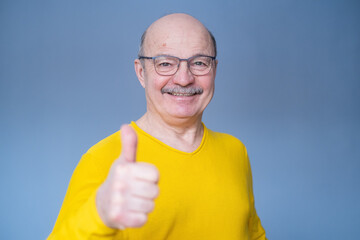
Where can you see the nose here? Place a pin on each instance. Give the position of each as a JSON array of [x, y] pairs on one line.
[[183, 76]]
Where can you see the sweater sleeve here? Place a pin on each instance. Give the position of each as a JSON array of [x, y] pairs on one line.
[[78, 217], [256, 230]]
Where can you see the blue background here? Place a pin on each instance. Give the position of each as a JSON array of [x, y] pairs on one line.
[[288, 86]]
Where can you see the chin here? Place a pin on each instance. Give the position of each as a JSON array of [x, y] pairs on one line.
[[184, 113]]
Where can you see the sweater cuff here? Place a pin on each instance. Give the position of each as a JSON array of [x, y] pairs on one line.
[[95, 223]]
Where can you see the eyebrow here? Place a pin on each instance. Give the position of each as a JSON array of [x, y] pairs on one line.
[[170, 55]]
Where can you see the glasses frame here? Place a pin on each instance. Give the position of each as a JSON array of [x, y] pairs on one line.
[[180, 60]]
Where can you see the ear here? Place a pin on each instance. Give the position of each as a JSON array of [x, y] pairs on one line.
[[215, 66], [140, 72]]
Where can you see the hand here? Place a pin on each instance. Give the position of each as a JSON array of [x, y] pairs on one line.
[[128, 193]]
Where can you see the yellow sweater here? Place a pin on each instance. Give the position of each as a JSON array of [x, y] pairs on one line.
[[206, 194]]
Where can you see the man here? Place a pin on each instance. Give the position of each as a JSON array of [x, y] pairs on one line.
[[205, 184]]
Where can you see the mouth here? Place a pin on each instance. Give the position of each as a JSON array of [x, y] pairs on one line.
[[182, 94], [182, 91]]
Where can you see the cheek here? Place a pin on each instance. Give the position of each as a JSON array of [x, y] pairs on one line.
[[209, 88], [208, 85], [155, 83]]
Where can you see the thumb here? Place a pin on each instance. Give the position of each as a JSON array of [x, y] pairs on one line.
[[129, 143]]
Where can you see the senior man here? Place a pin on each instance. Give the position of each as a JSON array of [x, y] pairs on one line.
[[205, 184]]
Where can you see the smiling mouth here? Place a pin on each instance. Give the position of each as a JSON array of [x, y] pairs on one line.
[[182, 94], [182, 91]]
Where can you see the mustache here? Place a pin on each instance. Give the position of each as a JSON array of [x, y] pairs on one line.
[[182, 90]]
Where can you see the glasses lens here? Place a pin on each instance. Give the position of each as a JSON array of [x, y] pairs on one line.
[[200, 65], [165, 65]]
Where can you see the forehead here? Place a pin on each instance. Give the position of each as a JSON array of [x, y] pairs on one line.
[[182, 38]]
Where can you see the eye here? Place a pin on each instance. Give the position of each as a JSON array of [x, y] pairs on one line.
[[199, 63], [165, 62]]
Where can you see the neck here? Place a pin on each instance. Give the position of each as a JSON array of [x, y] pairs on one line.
[[182, 134]]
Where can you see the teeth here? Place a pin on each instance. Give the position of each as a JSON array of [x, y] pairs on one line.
[[182, 94]]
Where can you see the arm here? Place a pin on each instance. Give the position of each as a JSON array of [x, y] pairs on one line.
[[78, 217], [106, 195], [256, 230]]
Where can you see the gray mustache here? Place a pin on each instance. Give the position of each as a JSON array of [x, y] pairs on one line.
[[183, 90]]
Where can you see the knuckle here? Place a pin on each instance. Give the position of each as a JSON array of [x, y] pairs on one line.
[[154, 169], [146, 205], [120, 169], [116, 185], [150, 206], [156, 174], [124, 169], [114, 215], [155, 191], [116, 199], [136, 220]]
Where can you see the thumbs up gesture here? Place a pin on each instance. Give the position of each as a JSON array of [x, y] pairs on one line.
[[128, 193]]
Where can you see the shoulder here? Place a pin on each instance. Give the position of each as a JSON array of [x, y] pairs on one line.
[[105, 152], [224, 137], [226, 141], [108, 144], [232, 150]]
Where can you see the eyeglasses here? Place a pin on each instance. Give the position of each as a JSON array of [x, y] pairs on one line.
[[168, 65]]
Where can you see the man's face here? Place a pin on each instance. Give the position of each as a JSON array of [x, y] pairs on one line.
[[182, 42]]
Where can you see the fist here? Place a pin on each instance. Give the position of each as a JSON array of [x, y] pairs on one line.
[[128, 193]]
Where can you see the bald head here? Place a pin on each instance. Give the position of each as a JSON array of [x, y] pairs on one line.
[[179, 27]]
